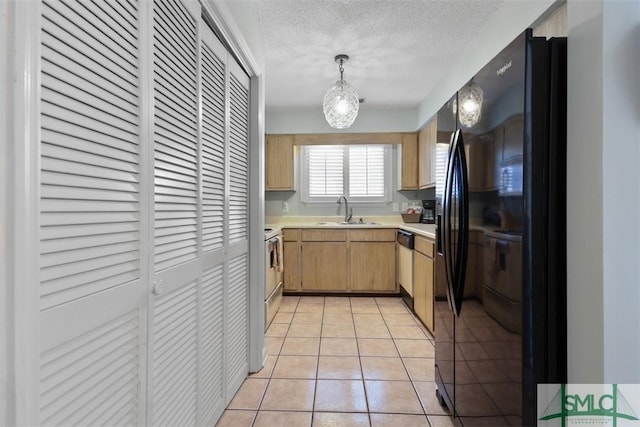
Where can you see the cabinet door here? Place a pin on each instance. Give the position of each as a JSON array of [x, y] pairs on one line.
[[419, 285], [324, 266], [427, 140], [423, 288], [279, 163], [423, 158], [291, 266], [372, 266], [409, 162]]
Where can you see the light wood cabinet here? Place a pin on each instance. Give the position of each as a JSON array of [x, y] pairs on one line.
[[339, 260], [279, 163], [324, 266], [372, 260], [372, 266], [408, 166], [427, 140], [423, 281], [291, 261]]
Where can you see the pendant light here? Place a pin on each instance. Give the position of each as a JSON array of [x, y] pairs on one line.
[[470, 99], [340, 103]]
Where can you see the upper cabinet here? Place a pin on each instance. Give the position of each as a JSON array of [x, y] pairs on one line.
[[409, 162], [427, 140], [279, 163]]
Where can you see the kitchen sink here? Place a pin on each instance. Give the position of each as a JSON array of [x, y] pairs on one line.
[[347, 224]]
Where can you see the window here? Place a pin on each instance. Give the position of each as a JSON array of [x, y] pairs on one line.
[[361, 172]]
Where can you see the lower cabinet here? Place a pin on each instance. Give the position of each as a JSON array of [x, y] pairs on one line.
[[373, 266], [291, 262], [423, 281], [324, 266], [339, 260]]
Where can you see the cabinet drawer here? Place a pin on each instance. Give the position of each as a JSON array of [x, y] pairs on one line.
[[424, 246], [290, 235], [314, 235], [372, 235]]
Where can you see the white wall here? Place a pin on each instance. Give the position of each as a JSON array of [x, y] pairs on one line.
[[368, 120], [242, 17], [5, 307], [584, 189], [604, 191], [621, 189]]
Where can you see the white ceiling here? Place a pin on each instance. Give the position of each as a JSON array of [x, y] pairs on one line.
[[399, 49]]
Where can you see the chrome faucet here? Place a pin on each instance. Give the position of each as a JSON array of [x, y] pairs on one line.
[[348, 212]]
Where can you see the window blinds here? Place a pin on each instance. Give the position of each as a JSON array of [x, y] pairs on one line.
[[357, 171]]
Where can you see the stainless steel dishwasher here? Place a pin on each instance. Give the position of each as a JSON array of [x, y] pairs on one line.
[[405, 240]]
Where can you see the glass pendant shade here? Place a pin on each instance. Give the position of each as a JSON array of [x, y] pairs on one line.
[[341, 102], [470, 100], [340, 105]]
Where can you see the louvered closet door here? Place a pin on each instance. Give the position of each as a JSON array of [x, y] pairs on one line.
[[92, 295], [238, 143], [176, 258], [213, 71]]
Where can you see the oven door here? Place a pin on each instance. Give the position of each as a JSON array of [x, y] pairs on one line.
[[271, 268]]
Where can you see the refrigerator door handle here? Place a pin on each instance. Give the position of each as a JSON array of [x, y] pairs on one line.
[[446, 225], [462, 240]]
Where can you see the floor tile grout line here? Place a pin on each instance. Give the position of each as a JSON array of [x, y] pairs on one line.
[[364, 384], [315, 386]]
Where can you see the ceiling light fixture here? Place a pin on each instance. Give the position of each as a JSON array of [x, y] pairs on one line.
[[341, 103], [470, 99]]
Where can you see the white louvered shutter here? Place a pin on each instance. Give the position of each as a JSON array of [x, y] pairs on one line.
[[212, 355], [239, 155], [176, 136], [213, 72], [237, 330], [213, 69], [366, 171], [174, 327], [175, 358], [325, 169], [91, 292], [237, 292], [110, 355]]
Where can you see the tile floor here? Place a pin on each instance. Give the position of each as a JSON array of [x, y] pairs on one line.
[[341, 361]]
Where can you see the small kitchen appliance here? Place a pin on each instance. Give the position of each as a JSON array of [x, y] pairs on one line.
[[428, 212]]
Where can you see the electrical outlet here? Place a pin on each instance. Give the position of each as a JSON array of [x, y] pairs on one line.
[[395, 207], [285, 207], [405, 205]]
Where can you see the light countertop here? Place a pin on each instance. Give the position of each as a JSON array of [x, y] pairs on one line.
[[276, 223]]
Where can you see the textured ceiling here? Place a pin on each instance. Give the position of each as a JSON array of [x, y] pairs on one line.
[[399, 49]]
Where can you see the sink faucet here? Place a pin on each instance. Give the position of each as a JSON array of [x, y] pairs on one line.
[[348, 212]]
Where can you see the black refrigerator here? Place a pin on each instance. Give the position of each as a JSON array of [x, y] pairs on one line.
[[500, 310]]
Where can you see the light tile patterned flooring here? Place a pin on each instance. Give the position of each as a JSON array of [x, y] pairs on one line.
[[341, 361]]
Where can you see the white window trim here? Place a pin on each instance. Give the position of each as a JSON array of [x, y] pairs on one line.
[[329, 201]]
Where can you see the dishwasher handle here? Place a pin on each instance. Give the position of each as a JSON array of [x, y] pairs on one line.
[[405, 238]]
